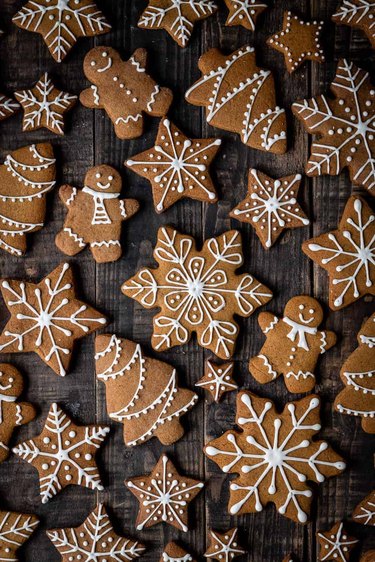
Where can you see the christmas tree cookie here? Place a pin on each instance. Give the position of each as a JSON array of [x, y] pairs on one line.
[[174, 553]]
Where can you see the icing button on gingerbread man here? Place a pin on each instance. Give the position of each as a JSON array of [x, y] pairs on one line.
[[95, 214]]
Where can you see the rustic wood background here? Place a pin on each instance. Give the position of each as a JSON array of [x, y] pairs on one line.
[[90, 140]]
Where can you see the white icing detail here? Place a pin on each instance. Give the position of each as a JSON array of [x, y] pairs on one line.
[[15, 528], [225, 551], [106, 67], [137, 64], [337, 546], [167, 558], [217, 381], [366, 515], [95, 93], [15, 167], [355, 13], [245, 10], [7, 106], [72, 197], [100, 212], [19, 416], [362, 413], [106, 243], [271, 325], [300, 331], [5, 398], [153, 97], [299, 375], [75, 237], [353, 379], [267, 364], [126, 120]]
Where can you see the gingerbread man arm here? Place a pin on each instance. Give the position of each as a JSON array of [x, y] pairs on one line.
[[139, 59], [328, 340], [67, 194], [128, 208], [90, 98], [25, 412], [267, 321], [159, 102]]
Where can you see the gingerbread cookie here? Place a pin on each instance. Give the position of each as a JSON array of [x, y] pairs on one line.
[[275, 455], [368, 556], [177, 17], [123, 89], [94, 541], [95, 215], [347, 254], [177, 167], [270, 206], [142, 393], [15, 529], [240, 97], [224, 546], [335, 544], [197, 291], [357, 14], [244, 12], [289, 558], [217, 379], [26, 176], [364, 512], [12, 412], [344, 127], [293, 345], [164, 496], [8, 107], [62, 22], [46, 318], [174, 553]]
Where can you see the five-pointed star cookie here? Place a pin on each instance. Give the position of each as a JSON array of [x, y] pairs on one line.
[[347, 254], [174, 553], [177, 167], [298, 41], [364, 512], [8, 107], [164, 496], [46, 318], [335, 544], [359, 14], [94, 541], [224, 546], [217, 379], [45, 106], [15, 529], [270, 206], [64, 454], [244, 12], [62, 22], [177, 17]]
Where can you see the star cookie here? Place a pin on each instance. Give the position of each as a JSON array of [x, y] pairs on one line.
[[174, 553], [8, 107], [94, 541], [335, 544], [240, 97], [62, 22], [177, 167], [15, 529], [217, 379], [177, 17], [345, 125], [44, 106], [64, 454], [364, 512], [224, 546], [197, 291], [274, 456], [347, 254], [47, 318], [359, 14], [244, 12], [270, 206], [298, 41], [164, 496]]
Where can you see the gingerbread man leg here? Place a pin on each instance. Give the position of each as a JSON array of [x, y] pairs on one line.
[[104, 251], [129, 128], [69, 242], [261, 369]]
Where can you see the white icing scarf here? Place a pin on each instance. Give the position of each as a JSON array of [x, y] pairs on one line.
[[100, 212], [5, 398], [301, 330]]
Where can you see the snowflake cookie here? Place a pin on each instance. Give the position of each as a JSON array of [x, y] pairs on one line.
[[347, 254], [142, 393], [62, 22], [123, 89], [15, 529], [46, 318], [64, 454], [275, 455], [26, 176], [335, 544], [270, 206], [224, 546], [358, 376], [95, 215], [364, 512], [217, 379], [8, 107], [293, 345], [177, 167], [240, 97], [197, 291], [359, 14], [164, 496], [174, 553], [94, 541], [345, 125], [244, 12]]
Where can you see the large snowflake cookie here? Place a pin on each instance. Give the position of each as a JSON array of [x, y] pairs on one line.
[[345, 125], [224, 546], [359, 14], [358, 376], [94, 541], [15, 529], [217, 379], [164, 496], [364, 512], [174, 553], [347, 254], [46, 318], [142, 393], [95, 215], [123, 89], [62, 22], [197, 291], [240, 97], [244, 12], [26, 176], [335, 544], [8, 107], [177, 167], [275, 456], [293, 345], [270, 206]]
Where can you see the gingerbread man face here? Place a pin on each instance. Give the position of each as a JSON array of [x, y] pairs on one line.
[[11, 382], [304, 310], [103, 179], [99, 61]]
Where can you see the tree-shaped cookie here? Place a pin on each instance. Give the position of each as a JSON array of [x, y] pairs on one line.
[[358, 376], [274, 456], [174, 553], [293, 345], [95, 215], [15, 529], [142, 393], [123, 89], [335, 544], [359, 14], [364, 512]]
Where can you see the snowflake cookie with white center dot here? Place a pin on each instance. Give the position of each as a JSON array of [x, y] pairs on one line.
[[217, 379], [224, 546], [64, 454], [94, 541], [274, 456], [15, 530], [164, 496], [335, 544], [244, 12], [364, 512], [271, 206], [358, 14], [345, 126], [177, 167], [8, 107], [174, 553]]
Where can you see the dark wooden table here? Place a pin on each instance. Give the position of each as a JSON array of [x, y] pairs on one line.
[[90, 140]]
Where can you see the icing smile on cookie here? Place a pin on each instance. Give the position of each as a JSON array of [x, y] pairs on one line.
[[301, 317], [107, 66]]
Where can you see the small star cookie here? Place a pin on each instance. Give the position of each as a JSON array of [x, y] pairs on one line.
[[335, 544], [15, 529], [224, 546], [217, 379], [244, 12], [364, 512], [174, 553], [8, 107], [358, 14]]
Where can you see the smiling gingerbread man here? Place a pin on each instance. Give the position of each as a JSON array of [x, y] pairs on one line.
[[293, 345]]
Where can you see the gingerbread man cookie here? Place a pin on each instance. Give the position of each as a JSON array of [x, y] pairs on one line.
[[123, 89]]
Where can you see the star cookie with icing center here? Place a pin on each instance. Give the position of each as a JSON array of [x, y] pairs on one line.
[[217, 379], [174, 553], [244, 12], [358, 14], [224, 546], [335, 544], [15, 529]]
